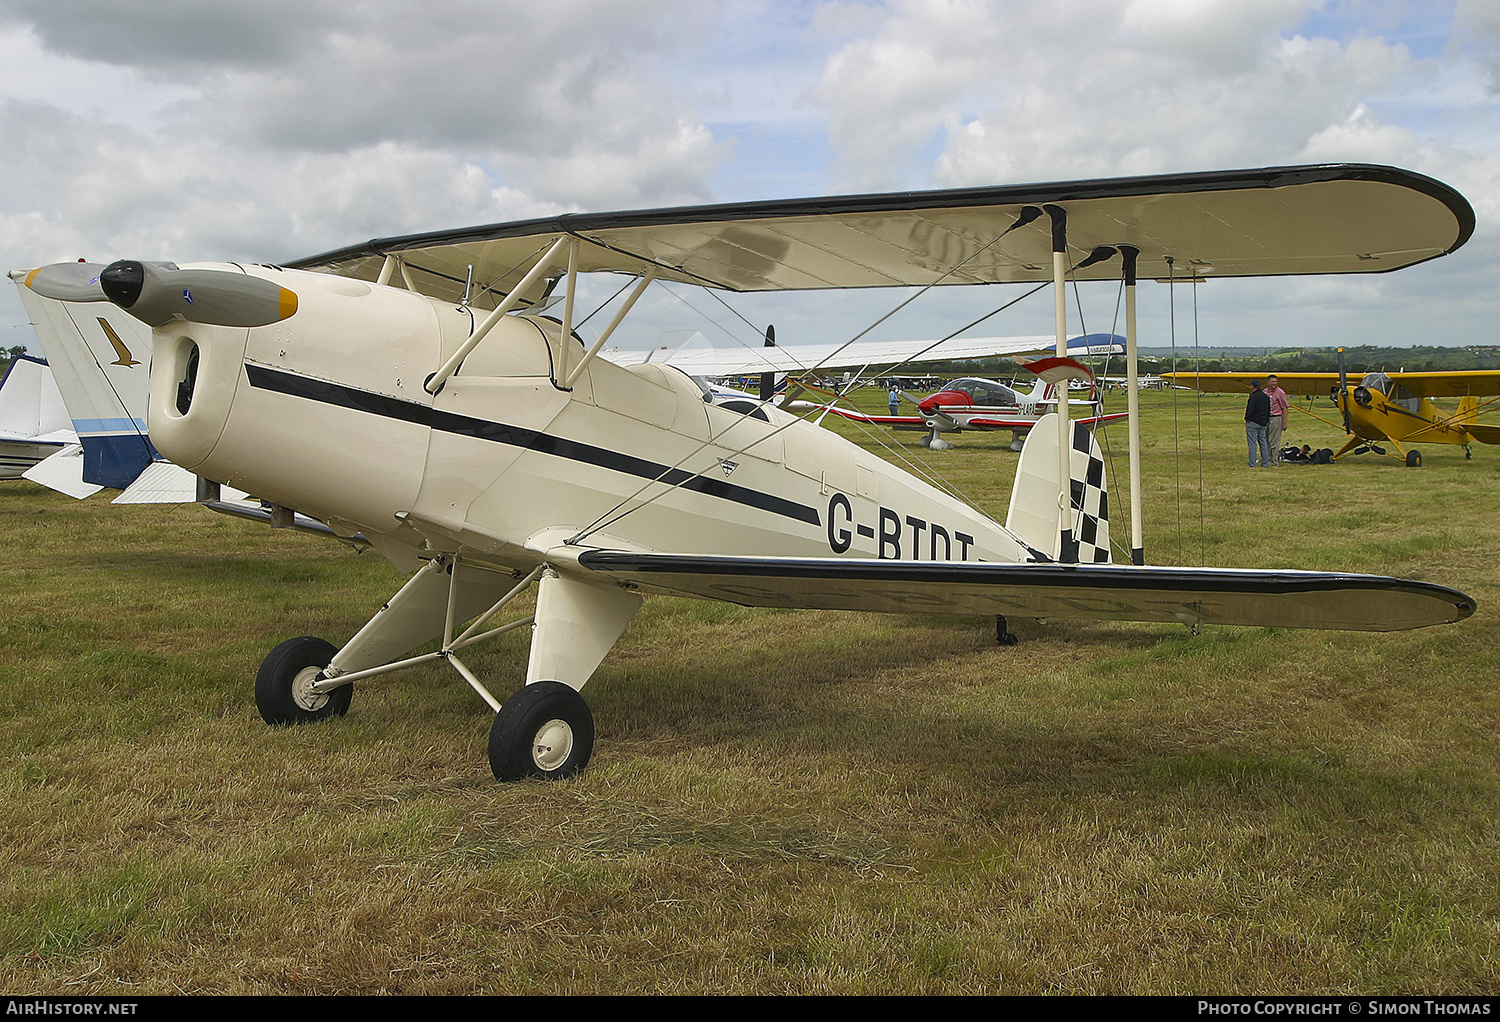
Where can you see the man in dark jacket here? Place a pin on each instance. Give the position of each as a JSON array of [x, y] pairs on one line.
[[1257, 418]]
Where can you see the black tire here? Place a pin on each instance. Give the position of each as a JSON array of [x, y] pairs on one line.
[[1413, 459], [280, 684], [544, 730]]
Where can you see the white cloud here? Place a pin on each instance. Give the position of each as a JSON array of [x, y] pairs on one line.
[[199, 129]]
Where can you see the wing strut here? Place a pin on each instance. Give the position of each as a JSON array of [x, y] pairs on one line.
[[1068, 550], [448, 368], [598, 345], [1133, 406], [1128, 255]]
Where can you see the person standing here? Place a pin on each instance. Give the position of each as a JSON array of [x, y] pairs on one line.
[[895, 400], [1257, 418], [1279, 409]]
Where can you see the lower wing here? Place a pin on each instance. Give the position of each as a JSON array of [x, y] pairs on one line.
[[1191, 596]]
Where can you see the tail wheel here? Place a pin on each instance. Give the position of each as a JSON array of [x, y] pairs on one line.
[[544, 730], [283, 685]]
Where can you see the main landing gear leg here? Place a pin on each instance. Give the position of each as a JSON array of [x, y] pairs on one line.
[[543, 730], [1003, 635]]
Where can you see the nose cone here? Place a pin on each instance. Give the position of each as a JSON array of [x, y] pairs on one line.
[[944, 399], [122, 282]]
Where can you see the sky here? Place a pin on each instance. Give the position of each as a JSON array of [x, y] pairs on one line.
[[195, 130]]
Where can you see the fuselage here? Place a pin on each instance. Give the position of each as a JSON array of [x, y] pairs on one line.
[[325, 412], [1379, 408]]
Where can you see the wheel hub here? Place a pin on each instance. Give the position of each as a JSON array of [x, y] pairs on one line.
[[303, 692], [552, 744]]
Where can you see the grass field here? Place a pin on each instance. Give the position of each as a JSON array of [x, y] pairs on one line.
[[778, 802]]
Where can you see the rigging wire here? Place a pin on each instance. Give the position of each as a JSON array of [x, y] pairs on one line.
[[602, 305], [616, 513], [955, 333], [1197, 367], [1176, 395]]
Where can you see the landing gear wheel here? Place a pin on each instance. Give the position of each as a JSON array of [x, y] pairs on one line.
[[283, 685], [1413, 459], [544, 730]]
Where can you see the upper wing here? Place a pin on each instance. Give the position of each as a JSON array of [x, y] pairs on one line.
[[1288, 599], [858, 355], [1305, 384], [1475, 382], [1335, 218]]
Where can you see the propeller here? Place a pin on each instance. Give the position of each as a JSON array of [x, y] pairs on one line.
[[768, 380], [157, 293], [1344, 393], [67, 282]]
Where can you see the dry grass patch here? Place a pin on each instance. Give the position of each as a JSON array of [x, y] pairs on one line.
[[779, 802]]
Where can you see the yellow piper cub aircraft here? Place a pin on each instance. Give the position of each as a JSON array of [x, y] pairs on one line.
[[399, 389], [1395, 407]]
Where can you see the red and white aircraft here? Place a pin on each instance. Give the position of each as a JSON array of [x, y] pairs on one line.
[[974, 403], [485, 450]]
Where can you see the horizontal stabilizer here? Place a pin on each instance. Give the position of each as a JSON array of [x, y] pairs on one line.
[[63, 472], [165, 483], [1190, 596]]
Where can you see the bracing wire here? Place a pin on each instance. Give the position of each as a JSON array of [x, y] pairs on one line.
[[1197, 367], [604, 304], [620, 510], [1176, 396]]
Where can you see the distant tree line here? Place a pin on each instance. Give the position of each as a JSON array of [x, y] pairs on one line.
[[8, 355], [1363, 359]]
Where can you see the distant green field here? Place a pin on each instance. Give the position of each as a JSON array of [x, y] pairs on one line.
[[779, 802]]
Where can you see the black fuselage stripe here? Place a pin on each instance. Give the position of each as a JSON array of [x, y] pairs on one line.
[[339, 395]]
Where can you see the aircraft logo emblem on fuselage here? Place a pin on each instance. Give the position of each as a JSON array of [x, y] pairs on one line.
[[125, 358]]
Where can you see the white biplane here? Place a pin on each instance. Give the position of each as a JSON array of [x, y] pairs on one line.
[[400, 389]]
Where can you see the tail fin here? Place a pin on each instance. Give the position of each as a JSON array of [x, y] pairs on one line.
[[100, 366], [30, 405], [1468, 412], [1033, 515]]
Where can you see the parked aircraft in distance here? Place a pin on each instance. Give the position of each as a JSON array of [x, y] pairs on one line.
[[1394, 407], [973, 403], [33, 422]]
